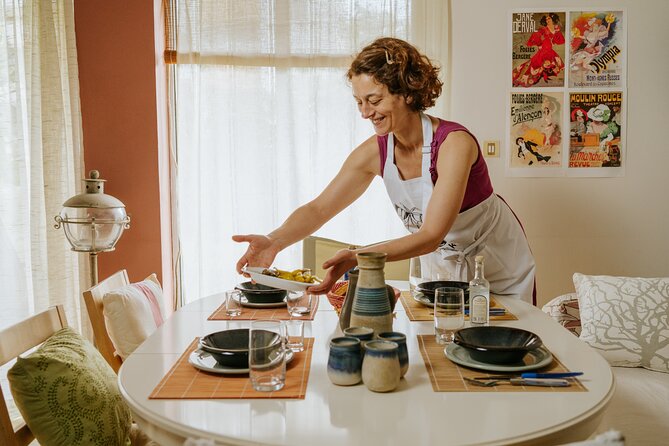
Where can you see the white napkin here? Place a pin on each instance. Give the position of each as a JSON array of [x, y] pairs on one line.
[[608, 438]]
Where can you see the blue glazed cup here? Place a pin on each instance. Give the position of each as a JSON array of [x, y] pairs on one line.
[[402, 352], [345, 361]]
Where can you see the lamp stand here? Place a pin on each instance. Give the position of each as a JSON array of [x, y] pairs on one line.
[[93, 263]]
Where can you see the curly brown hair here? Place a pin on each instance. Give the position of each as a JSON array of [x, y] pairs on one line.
[[402, 69]]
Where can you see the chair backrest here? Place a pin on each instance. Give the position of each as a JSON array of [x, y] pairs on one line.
[[93, 299], [14, 341], [316, 250]]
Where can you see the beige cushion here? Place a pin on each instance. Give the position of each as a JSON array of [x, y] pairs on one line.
[[132, 313], [626, 319]]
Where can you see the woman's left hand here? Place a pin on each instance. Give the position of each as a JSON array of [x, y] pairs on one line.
[[342, 261]]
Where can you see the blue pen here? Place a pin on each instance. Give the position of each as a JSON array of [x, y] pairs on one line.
[[493, 311], [551, 375]]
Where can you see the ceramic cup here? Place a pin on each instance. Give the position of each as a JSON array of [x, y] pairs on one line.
[[402, 353], [345, 361], [365, 334], [381, 366]]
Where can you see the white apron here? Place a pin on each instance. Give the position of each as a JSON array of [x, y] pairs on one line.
[[489, 229]]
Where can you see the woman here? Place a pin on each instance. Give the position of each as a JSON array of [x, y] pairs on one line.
[[434, 173]]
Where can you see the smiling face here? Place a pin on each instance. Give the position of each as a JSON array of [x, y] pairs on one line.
[[386, 111]]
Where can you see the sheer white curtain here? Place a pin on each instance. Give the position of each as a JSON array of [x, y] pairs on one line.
[[40, 157], [265, 118]]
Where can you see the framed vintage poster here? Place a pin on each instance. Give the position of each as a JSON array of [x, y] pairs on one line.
[[597, 49], [595, 135], [535, 145], [538, 49]]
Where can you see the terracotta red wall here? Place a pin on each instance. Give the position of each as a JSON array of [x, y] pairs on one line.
[[117, 74]]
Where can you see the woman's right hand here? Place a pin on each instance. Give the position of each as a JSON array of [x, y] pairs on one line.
[[261, 251]]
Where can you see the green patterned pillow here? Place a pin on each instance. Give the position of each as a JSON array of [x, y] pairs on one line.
[[626, 319], [68, 394]]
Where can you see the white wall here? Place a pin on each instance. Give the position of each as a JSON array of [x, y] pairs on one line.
[[616, 226]]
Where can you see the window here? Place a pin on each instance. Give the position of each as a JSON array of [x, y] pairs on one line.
[[40, 159], [264, 118]]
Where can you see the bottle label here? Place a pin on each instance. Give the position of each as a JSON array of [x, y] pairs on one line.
[[478, 310]]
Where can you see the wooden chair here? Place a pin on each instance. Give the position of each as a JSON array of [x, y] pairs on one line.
[[93, 299], [316, 250], [14, 341]]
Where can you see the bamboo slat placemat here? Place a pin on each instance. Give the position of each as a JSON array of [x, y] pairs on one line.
[[446, 376], [184, 381], [416, 311], [252, 314]]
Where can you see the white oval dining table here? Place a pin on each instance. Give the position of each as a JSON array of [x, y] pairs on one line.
[[333, 415]]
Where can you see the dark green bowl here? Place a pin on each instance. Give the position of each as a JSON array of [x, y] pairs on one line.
[[497, 345], [230, 348], [256, 293], [427, 288]]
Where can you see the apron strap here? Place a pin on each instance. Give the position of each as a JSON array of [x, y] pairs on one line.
[[426, 159]]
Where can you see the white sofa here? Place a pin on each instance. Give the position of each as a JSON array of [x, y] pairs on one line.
[[639, 408]]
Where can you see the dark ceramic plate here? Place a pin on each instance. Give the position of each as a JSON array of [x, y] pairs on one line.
[[230, 348], [427, 288], [204, 361], [497, 345], [256, 293]]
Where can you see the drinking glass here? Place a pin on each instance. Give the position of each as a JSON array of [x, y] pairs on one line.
[[440, 275], [294, 333], [233, 306], [415, 276], [267, 365], [449, 313], [298, 303]]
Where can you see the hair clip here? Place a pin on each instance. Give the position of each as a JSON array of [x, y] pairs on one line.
[[389, 61]]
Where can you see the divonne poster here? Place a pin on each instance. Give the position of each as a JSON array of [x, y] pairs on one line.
[[536, 132]]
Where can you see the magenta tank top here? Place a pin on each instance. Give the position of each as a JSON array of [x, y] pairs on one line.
[[479, 186]]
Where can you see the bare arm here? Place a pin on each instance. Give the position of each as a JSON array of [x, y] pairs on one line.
[[351, 181], [456, 156]]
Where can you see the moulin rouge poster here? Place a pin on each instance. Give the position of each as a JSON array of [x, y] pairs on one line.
[[596, 123]]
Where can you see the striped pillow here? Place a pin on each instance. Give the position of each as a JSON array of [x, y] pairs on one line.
[[132, 313], [565, 311]]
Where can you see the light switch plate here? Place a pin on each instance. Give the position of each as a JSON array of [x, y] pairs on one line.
[[490, 148]]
